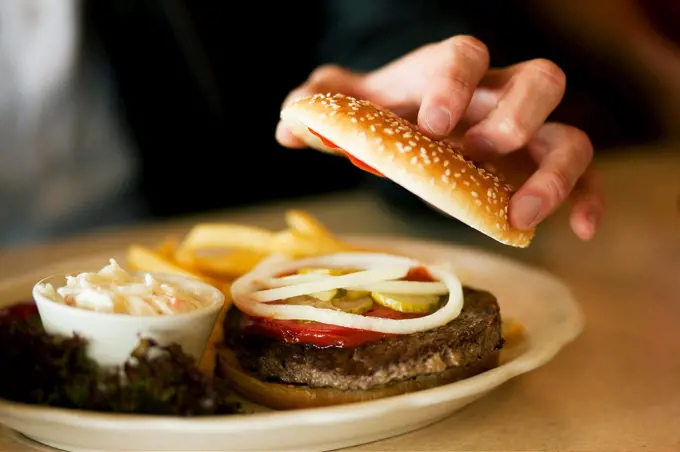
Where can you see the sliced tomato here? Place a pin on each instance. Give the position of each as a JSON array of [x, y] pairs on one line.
[[320, 334], [419, 274], [355, 161]]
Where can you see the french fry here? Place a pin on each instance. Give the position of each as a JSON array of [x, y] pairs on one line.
[[512, 331], [293, 244], [144, 259], [230, 264], [167, 248], [307, 225], [226, 236]]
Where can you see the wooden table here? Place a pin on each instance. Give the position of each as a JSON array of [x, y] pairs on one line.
[[617, 388]]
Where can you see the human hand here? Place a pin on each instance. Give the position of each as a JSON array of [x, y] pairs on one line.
[[448, 89]]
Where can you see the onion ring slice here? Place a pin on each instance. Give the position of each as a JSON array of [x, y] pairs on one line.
[[244, 289]]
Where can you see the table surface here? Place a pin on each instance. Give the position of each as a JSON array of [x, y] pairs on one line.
[[616, 388]]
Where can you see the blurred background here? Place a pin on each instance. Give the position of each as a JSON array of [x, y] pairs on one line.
[[115, 112]]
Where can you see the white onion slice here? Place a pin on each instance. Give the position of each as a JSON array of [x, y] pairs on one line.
[[244, 288], [332, 282], [284, 281], [396, 287], [404, 287]]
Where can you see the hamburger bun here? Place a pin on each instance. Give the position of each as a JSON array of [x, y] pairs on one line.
[[434, 170]]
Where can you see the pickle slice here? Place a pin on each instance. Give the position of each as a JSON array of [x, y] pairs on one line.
[[354, 306], [355, 294], [307, 300], [412, 304], [326, 295]]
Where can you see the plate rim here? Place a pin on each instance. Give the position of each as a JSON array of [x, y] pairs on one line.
[[534, 358]]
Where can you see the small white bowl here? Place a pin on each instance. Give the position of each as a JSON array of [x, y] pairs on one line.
[[112, 337]]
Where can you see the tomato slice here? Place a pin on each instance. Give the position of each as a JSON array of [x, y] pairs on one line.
[[419, 274], [356, 162], [320, 334]]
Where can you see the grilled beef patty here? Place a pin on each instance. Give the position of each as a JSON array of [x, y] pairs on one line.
[[464, 347]]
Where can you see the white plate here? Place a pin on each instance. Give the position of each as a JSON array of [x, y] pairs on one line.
[[540, 302]]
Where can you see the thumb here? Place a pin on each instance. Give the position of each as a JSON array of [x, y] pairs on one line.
[[325, 79]]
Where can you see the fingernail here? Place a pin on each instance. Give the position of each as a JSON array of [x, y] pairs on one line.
[[528, 209], [438, 120], [592, 220]]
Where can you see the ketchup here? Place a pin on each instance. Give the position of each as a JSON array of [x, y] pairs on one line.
[[356, 162]]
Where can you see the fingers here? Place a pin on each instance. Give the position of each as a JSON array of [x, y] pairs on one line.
[[531, 91], [324, 79], [587, 206], [563, 154], [462, 62]]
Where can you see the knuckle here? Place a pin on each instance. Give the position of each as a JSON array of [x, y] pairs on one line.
[[557, 185], [468, 47], [324, 73], [515, 133], [458, 82], [580, 143], [549, 71]]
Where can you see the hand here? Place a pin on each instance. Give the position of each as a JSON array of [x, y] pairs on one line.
[[450, 91]]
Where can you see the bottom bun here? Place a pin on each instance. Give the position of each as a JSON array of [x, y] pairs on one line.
[[284, 396]]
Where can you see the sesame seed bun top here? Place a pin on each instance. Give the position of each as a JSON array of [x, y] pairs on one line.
[[433, 170]]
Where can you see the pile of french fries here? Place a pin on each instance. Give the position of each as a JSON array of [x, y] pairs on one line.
[[218, 253]]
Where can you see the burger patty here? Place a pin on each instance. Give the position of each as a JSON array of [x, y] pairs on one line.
[[465, 346]]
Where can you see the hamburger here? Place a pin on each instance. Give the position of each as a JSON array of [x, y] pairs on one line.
[[353, 327]]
